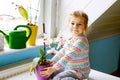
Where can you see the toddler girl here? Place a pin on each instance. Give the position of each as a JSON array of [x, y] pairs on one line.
[[72, 61]]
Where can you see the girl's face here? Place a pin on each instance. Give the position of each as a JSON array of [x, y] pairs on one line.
[[76, 26]]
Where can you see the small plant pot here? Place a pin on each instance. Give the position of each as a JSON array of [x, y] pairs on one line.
[[32, 40], [38, 69]]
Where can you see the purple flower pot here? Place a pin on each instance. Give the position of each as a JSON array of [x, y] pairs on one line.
[[38, 69]]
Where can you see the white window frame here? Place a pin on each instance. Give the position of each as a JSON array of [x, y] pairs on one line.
[[50, 9]]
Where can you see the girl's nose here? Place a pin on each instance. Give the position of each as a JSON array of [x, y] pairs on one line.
[[75, 26]]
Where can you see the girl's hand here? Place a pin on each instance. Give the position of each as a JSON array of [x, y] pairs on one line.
[[47, 71]]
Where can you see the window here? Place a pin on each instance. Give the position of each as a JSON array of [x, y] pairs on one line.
[[10, 16]]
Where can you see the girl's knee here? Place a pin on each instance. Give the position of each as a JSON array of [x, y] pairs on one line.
[[65, 76]]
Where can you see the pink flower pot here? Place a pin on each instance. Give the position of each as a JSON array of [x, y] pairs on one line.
[[38, 69]]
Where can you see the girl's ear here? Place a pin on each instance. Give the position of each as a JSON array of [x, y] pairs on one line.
[[85, 29], [86, 26]]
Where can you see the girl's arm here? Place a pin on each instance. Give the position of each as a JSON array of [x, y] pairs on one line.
[[58, 56]]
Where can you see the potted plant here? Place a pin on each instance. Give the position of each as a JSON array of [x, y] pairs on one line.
[[28, 17], [39, 63]]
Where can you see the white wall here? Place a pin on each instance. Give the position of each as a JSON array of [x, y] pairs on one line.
[[94, 9]]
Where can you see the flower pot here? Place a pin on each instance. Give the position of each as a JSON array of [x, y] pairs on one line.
[[32, 40], [38, 69]]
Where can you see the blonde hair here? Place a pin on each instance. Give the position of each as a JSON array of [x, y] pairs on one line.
[[79, 14]]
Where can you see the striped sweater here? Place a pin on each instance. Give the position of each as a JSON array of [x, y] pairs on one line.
[[74, 56]]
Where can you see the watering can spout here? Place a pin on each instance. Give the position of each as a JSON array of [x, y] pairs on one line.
[[6, 36]]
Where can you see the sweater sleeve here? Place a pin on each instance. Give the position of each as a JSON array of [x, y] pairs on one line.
[[74, 52], [58, 56]]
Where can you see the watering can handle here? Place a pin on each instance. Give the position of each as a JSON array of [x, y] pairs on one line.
[[25, 26]]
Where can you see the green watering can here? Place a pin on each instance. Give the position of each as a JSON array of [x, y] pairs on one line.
[[17, 38]]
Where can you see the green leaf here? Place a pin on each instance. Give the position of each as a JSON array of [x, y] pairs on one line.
[[34, 64], [23, 12], [42, 52]]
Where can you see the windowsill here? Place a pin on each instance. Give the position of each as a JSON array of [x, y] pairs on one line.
[[8, 50], [11, 56]]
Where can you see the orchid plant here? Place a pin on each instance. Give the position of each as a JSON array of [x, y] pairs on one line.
[[27, 14], [42, 60]]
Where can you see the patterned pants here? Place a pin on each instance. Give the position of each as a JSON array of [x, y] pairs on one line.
[[63, 75]]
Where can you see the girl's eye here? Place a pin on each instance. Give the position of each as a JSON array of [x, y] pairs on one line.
[[72, 23], [79, 24]]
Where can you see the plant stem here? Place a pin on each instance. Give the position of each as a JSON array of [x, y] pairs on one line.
[[37, 11], [44, 41], [30, 12], [44, 48], [44, 28]]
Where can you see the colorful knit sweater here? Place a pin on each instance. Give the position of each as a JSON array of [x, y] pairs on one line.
[[74, 56]]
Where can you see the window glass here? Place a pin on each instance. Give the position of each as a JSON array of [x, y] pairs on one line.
[[10, 16]]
